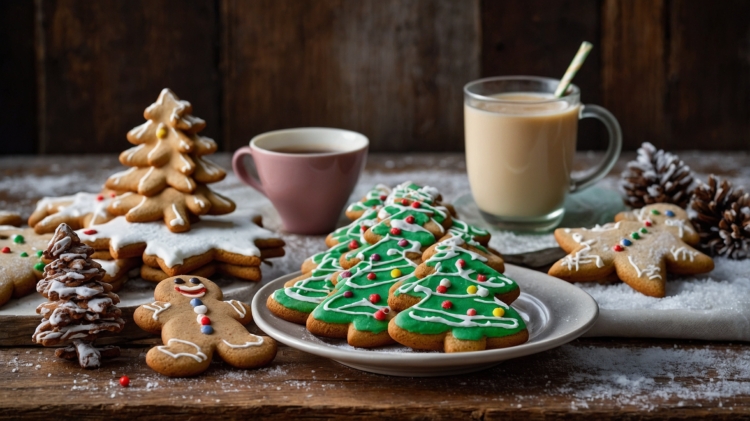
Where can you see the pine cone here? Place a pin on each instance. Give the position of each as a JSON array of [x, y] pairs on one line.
[[722, 217], [656, 177]]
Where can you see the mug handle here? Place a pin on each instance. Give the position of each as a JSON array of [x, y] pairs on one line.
[[239, 169], [613, 150]]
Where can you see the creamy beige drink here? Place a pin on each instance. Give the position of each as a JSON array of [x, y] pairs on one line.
[[519, 153]]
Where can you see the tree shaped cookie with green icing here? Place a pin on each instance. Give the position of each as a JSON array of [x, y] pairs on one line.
[[638, 252], [456, 301], [357, 309]]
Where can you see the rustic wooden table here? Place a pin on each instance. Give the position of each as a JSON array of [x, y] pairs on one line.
[[588, 378]]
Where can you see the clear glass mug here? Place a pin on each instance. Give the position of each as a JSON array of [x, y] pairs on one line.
[[520, 145]]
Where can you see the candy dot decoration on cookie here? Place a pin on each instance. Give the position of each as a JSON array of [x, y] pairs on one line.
[[664, 247], [395, 273], [191, 339], [498, 312]]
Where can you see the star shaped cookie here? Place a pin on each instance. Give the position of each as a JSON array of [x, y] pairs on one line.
[[640, 249], [79, 211]]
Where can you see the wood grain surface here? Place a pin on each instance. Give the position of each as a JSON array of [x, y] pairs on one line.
[[675, 73]]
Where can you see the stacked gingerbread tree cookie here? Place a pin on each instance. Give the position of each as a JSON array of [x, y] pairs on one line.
[[161, 214], [81, 307]]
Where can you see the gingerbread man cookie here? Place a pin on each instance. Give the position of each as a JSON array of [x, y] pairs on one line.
[[195, 322], [21, 264], [638, 252]]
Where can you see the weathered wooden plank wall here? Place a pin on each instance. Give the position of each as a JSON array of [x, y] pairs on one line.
[[75, 75]]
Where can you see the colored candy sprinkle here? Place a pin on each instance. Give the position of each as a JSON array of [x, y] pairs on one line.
[[5, 250], [617, 247], [481, 277], [644, 230], [403, 243], [379, 315], [371, 276], [346, 274], [669, 213], [441, 289], [625, 242], [205, 321], [471, 289], [409, 219], [395, 231], [24, 254], [404, 202], [461, 263], [363, 228], [99, 198], [415, 205], [483, 292], [647, 223], [395, 273], [90, 232], [635, 236], [383, 197], [348, 294], [446, 304], [196, 302], [124, 381], [207, 330], [18, 239], [375, 257], [112, 194], [498, 312], [202, 309], [471, 312], [385, 310], [374, 298], [161, 133], [654, 211], [39, 267], [353, 244], [39, 253], [445, 282]]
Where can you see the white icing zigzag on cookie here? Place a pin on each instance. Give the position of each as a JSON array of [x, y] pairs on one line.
[[235, 233], [76, 206]]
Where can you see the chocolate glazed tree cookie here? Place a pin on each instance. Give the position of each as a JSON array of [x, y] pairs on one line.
[[81, 306]]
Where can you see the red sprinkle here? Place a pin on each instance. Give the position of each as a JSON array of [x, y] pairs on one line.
[[374, 298], [363, 228], [6, 250], [383, 197], [441, 289], [348, 294], [99, 198], [471, 312], [205, 321], [124, 381], [371, 276], [415, 205], [481, 278], [617, 247], [461, 263], [379, 315], [647, 223], [112, 194], [403, 243], [405, 202], [410, 219], [352, 244], [385, 310], [90, 232], [446, 305], [395, 231]]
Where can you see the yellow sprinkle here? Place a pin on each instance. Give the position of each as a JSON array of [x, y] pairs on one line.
[[498, 312], [471, 289], [161, 133], [395, 273]]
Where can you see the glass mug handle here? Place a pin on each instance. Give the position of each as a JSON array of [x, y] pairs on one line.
[[613, 150]]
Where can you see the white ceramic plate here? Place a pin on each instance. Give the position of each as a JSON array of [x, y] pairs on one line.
[[556, 312]]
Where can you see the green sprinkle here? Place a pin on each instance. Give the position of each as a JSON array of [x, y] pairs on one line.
[[39, 267], [635, 236], [24, 254], [654, 211], [18, 239], [644, 230], [39, 253]]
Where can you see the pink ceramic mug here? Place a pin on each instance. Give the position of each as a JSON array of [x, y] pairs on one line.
[[307, 173]]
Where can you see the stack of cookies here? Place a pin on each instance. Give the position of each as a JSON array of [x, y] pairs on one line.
[[405, 270]]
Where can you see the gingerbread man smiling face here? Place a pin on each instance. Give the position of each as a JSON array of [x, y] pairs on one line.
[[195, 322]]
